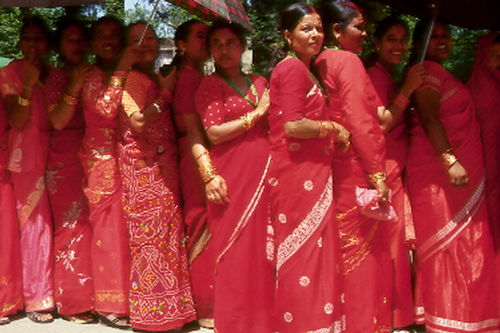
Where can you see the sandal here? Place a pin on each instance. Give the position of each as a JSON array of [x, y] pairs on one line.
[[80, 318], [38, 317], [112, 320], [4, 320]]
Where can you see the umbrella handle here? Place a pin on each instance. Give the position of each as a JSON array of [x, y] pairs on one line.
[[429, 32], [147, 22]]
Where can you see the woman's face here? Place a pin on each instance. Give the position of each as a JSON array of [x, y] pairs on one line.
[[149, 44], [393, 46], [307, 37], [74, 45], [439, 43], [106, 41], [34, 43], [494, 59], [195, 45], [351, 38], [226, 48]]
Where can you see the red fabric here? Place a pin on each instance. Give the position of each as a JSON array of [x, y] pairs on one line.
[[454, 245], [352, 101], [160, 294], [11, 288], [109, 249], [309, 281], [28, 148], [242, 296], [74, 290], [403, 230], [484, 85], [193, 197]]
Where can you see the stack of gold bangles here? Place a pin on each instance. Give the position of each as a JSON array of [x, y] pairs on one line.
[[248, 120], [449, 158], [325, 127], [206, 167], [70, 100], [377, 177], [118, 79], [25, 102]]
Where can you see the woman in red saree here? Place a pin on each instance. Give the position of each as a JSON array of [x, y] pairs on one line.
[[308, 264], [446, 186], [72, 234], [353, 103], [484, 86], [391, 45], [231, 105], [25, 83], [101, 100], [11, 288], [190, 39], [160, 294]]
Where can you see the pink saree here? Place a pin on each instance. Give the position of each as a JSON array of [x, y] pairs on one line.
[[109, 248], [160, 294], [11, 288], [454, 245], [74, 292], [243, 285], [28, 149], [484, 86], [193, 200], [308, 264], [402, 231], [352, 102]]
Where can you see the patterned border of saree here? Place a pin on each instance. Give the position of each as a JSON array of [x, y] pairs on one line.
[[307, 227], [452, 229], [438, 324]]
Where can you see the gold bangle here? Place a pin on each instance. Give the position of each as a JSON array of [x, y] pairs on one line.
[[448, 157], [207, 171], [325, 128], [70, 100], [247, 120], [117, 81], [377, 177], [25, 102], [201, 155]]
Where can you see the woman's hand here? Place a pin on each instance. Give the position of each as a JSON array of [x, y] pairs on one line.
[[342, 137], [130, 56], [264, 103], [168, 82], [216, 190], [77, 78], [458, 175], [31, 74], [414, 79]]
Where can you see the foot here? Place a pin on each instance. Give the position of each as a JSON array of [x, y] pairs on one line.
[[80, 318], [40, 317], [113, 320], [4, 320]]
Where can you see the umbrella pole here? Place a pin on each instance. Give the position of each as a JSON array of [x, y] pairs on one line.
[[428, 34], [147, 22]]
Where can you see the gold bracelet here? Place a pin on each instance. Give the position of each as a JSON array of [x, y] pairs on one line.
[[25, 102], [70, 100], [247, 120], [377, 177], [117, 81], [207, 171], [325, 127], [449, 158]]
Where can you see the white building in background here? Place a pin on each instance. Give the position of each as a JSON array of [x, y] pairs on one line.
[[167, 54]]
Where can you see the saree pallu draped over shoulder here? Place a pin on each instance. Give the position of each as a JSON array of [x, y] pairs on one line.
[[454, 244], [98, 154], [28, 149]]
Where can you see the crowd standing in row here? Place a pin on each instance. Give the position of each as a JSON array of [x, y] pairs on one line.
[[288, 205]]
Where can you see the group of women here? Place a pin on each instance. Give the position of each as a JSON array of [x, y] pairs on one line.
[[288, 205]]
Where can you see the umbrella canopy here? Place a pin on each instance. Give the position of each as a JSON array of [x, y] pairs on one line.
[[209, 10], [472, 14], [45, 3]]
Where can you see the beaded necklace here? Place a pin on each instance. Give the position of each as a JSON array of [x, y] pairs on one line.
[[252, 89]]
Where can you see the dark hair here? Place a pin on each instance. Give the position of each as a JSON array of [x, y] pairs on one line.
[[337, 12], [236, 28], [67, 22], [104, 20], [289, 19], [386, 24], [419, 33], [181, 34], [34, 20], [496, 40], [133, 24]]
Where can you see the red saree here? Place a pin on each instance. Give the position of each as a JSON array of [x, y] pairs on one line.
[[194, 200], [160, 295], [11, 288], [454, 245], [395, 160], [308, 263], [243, 285], [367, 266], [74, 292], [28, 149], [109, 248], [484, 85]]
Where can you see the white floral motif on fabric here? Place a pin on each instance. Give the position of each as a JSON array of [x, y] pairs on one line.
[[304, 281], [282, 218], [273, 181], [320, 242], [328, 308], [294, 146], [288, 317], [308, 185], [306, 228]]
